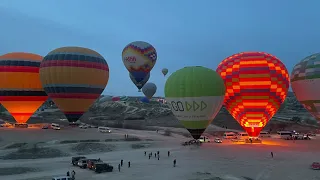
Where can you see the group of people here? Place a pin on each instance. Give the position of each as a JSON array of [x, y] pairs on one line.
[[73, 174], [121, 164], [157, 155]]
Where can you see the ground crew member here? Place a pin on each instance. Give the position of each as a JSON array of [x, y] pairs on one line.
[[174, 162], [129, 164], [121, 162]]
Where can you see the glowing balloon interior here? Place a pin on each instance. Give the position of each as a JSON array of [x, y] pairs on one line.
[[74, 78], [21, 92], [257, 84]]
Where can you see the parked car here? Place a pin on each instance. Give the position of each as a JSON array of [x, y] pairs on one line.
[[61, 178], [104, 129], [45, 127], [74, 160], [193, 141], [92, 162], [204, 139], [82, 163], [315, 166], [102, 167], [217, 140]]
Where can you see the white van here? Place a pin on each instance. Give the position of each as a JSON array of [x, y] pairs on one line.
[[104, 129], [229, 135], [62, 178], [242, 135], [204, 139], [284, 134], [55, 126], [264, 134]]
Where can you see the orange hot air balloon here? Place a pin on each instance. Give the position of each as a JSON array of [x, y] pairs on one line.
[[21, 92], [257, 84]]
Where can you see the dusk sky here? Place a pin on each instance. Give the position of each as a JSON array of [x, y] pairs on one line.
[[184, 32]]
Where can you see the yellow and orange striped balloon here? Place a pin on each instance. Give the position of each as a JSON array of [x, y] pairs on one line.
[[21, 92], [74, 77]]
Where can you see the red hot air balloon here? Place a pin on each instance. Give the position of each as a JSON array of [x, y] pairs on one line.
[[257, 84]]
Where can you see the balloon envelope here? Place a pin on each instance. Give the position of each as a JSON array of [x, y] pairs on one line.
[[74, 77], [139, 58], [305, 83], [116, 98], [145, 100], [165, 71], [149, 90], [195, 96], [105, 98], [21, 92], [141, 83], [257, 84]]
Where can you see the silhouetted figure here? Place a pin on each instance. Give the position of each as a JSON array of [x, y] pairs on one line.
[[119, 167], [121, 162], [73, 174], [158, 152], [174, 162], [149, 156], [68, 173], [168, 153], [155, 155], [151, 153], [129, 164], [272, 154], [158, 157], [145, 153]]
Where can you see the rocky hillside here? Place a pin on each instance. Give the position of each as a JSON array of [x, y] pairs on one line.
[[132, 112]]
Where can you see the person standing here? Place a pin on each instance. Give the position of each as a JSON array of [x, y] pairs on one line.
[[158, 157], [129, 164], [121, 162], [155, 155], [271, 154], [149, 156], [73, 175], [68, 173], [174, 162], [145, 153], [119, 167], [168, 153]]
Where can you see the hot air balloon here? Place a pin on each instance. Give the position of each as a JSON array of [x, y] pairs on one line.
[[21, 92], [74, 77], [105, 98], [305, 83], [139, 58], [124, 98], [141, 83], [145, 100], [165, 71], [195, 96], [257, 84], [116, 98], [149, 90]]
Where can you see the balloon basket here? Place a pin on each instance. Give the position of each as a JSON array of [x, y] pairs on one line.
[[139, 90], [253, 141]]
